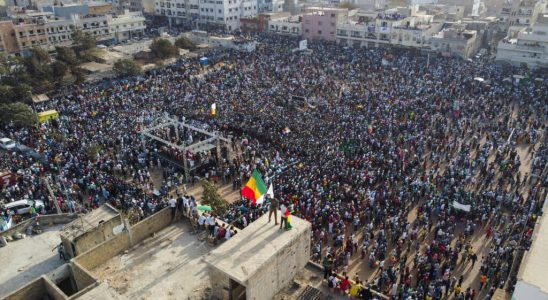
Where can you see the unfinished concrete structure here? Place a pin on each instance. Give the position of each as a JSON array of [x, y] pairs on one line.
[[90, 230], [259, 261], [160, 258]]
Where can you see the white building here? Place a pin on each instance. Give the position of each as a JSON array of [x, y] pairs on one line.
[[205, 14], [521, 13], [267, 6], [456, 41], [60, 32], [394, 27], [530, 46], [532, 283], [291, 25], [127, 25]]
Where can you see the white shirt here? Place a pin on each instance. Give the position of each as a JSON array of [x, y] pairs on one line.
[[172, 203], [283, 209]]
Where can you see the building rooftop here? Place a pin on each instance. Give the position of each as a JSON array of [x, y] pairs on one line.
[[27, 259], [88, 222], [245, 253], [156, 267], [535, 261]]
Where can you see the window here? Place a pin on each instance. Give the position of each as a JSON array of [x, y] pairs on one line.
[[319, 23], [219, 11], [306, 30], [319, 32]]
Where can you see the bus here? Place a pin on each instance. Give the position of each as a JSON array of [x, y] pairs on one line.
[[47, 115]]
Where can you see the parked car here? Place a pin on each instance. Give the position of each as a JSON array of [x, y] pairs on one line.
[[23, 206], [7, 144], [29, 152]]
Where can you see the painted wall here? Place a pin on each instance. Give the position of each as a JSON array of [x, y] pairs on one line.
[[525, 291]]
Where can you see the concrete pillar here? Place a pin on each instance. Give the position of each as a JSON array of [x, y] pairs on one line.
[[219, 153], [229, 148], [186, 170], [130, 233]]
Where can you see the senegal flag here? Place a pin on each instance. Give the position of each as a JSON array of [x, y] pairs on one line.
[[254, 187]]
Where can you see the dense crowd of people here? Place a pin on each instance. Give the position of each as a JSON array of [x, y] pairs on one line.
[[381, 136]]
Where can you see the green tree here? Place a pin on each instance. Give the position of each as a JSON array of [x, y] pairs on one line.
[[22, 92], [212, 198], [185, 43], [79, 74], [83, 41], [67, 55], [6, 94], [37, 64], [18, 113], [126, 67], [58, 70], [162, 49]]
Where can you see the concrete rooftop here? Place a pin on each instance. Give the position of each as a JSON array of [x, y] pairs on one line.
[[535, 261], [88, 222], [245, 253], [167, 265], [25, 260]]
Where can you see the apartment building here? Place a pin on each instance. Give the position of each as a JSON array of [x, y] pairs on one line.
[[320, 23], [266, 6], [207, 14], [456, 41], [31, 32], [45, 30], [371, 32], [529, 46], [289, 25], [521, 13], [126, 26], [8, 42]]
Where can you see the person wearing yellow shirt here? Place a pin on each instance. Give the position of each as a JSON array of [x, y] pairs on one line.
[[355, 289]]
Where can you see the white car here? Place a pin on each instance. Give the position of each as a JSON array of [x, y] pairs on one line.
[[23, 206], [7, 144]]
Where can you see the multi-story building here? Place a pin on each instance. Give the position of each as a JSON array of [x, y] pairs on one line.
[[260, 22], [8, 42], [126, 26], [60, 32], [415, 32], [320, 23], [529, 46], [45, 30], [456, 41], [265, 6], [31, 32], [395, 30], [521, 13], [207, 14], [369, 32], [291, 25]]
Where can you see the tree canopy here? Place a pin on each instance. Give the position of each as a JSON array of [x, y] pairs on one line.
[[212, 198], [185, 43], [162, 49], [18, 113], [126, 67]]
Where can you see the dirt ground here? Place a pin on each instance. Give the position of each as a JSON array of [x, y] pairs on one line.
[[24, 260], [165, 266]]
